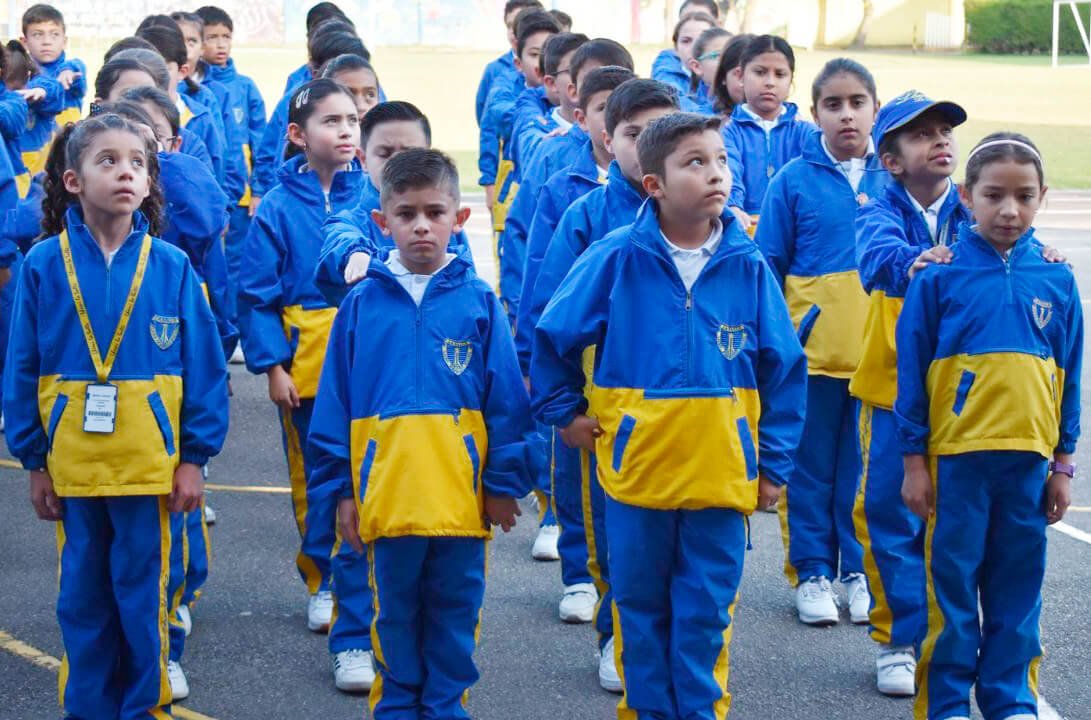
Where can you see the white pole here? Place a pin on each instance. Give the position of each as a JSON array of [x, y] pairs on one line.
[[1056, 29]]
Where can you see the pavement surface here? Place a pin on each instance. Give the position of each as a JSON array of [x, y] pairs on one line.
[[251, 656]]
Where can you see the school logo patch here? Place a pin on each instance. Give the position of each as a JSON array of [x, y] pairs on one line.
[[239, 115], [457, 355], [731, 339], [1043, 313], [164, 331]]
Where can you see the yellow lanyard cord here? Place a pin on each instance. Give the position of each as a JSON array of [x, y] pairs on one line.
[[103, 367]]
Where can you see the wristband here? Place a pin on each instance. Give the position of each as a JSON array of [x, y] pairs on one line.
[[1061, 468]]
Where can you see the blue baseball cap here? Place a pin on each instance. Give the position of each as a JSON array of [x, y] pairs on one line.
[[909, 106]]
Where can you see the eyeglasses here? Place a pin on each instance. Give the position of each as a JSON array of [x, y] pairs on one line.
[[714, 55]]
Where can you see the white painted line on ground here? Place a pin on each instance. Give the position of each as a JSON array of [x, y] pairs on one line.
[[1072, 532], [1046, 711]]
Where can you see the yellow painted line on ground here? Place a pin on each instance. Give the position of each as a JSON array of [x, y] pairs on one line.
[[4, 462], [271, 489], [35, 656], [1079, 508]]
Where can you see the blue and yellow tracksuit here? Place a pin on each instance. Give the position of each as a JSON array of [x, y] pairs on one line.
[[697, 394], [500, 113], [269, 152], [755, 156], [399, 377], [20, 223], [41, 124], [202, 122], [114, 539], [285, 321], [667, 68], [216, 97], [989, 357], [14, 114], [500, 70], [300, 76], [890, 235], [73, 96], [807, 234]]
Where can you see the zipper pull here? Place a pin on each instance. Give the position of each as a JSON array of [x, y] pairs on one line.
[[689, 300]]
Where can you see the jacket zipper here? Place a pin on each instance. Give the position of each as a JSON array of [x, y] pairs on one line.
[[416, 381], [689, 335]]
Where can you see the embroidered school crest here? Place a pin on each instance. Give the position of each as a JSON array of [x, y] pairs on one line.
[[457, 355], [164, 331], [731, 339], [1043, 313], [862, 199], [240, 115]]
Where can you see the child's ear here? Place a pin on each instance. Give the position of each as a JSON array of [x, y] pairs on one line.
[[891, 163], [694, 66], [573, 94], [461, 217], [296, 136], [71, 182], [184, 71], [814, 114], [653, 186], [608, 142], [966, 196], [379, 219], [581, 118]]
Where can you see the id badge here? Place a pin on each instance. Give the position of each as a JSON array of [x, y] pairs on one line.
[[100, 410]]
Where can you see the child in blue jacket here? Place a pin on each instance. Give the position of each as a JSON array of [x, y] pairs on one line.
[[448, 380], [44, 35], [114, 406], [990, 349], [707, 49], [718, 352], [808, 237], [672, 66], [45, 98]]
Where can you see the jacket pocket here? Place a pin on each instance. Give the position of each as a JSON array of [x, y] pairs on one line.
[[159, 410], [806, 324], [621, 441], [748, 452], [55, 417], [964, 385], [293, 340], [365, 467], [475, 459]]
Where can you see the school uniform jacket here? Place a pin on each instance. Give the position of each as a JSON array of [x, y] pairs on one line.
[[269, 152], [755, 157], [698, 391], [73, 96], [989, 353], [500, 70], [199, 120], [283, 317], [41, 123], [234, 164], [246, 107], [667, 68], [532, 121], [170, 374], [421, 410], [808, 236]]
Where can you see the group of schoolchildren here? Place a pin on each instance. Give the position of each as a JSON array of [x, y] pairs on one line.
[[707, 306]]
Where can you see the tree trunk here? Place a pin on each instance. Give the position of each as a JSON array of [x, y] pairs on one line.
[[860, 40]]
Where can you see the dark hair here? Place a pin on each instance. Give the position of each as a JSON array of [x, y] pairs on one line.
[[556, 48], [1008, 146], [305, 100], [330, 25], [393, 111], [701, 44], [17, 63], [153, 63], [762, 44], [128, 110], [171, 44], [730, 59], [532, 22], [635, 96], [155, 21], [602, 50], [512, 5], [180, 16], [42, 13], [710, 6], [418, 168], [662, 136], [213, 15], [563, 19], [66, 153], [843, 66], [610, 78], [695, 15], [111, 72], [160, 99], [326, 46], [323, 11], [346, 63], [129, 43]]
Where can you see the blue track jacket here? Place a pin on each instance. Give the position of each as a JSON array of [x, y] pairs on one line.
[[667, 68], [755, 156], [73, 96]]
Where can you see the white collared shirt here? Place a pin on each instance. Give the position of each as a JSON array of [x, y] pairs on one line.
[[414, 284], [853, 168], [931, 213], [766, 125], [690, 262], [559, 119]]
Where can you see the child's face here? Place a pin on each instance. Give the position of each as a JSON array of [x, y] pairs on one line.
[[331, 135], [509, 23], [704, 67], [696, 179], [1004, 200], [386, 141], [165, 135], [112, 177], [687, 34], [767, 80], [622, 144], [45, 41], [421, 222], [364, 87], [216, 46], [846, 112], [194, 45], [527, 63], [558, 83], [573, 89], [593, 120], [126, 80], [926, 150]]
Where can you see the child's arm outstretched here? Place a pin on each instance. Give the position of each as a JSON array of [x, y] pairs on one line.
[[73, 78], [345, 254], [45, 95]]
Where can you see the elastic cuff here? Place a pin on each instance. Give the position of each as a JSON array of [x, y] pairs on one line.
[[1066, 447], [774, 478], [345, 493], [34, 462], [196, 458]]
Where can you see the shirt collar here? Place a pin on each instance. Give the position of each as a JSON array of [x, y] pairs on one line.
[[935, 207], [393, 261], [708, 248], [851, 162], [559, 119], [767, 124]]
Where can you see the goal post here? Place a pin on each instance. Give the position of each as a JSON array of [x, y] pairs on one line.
[[1081, 28]]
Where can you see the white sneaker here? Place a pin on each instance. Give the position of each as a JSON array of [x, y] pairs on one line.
[[210, 515], [545, 545], [237, 358], [608, 676], [578, 603], [185, 618], [353, 670], [859, 598], [320, 611], [815, 602], [179, 687], [896, 670]]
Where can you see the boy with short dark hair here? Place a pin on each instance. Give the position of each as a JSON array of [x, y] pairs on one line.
[[425, 516], [44, 35], [719, 353]]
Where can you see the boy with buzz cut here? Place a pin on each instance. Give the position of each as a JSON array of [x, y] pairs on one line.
[[45, 39], [692, 432], [421, 355]]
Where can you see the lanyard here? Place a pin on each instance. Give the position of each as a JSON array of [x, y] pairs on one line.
[[103, 367]]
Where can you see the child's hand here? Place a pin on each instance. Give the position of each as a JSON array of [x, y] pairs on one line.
[[32, 95], [502, 511], [917, 487], [490, 196], [1053, 255], [582, 432], [939, 255], [282, 390], [67, 77], [43, 498], [743, 217], [1058, 497], [768, 493], [254, 202], [356, 267], [189, 488], [348, 523]]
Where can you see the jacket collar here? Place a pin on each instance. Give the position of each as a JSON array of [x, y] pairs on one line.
[[791, 111], [585, 166], [79, 235], [304, 183], [457, 272], [969, 235], [616, 182], [647, 233], [224, 73]]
